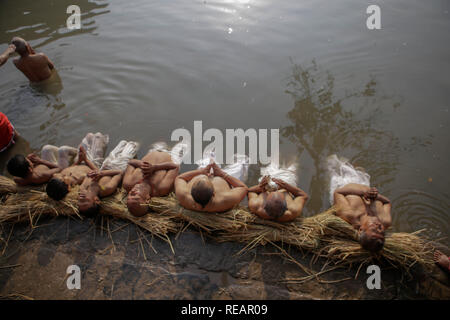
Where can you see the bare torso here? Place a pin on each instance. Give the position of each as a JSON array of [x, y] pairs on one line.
[[357, 208], [135, 175], [74, 174], [36, 67]]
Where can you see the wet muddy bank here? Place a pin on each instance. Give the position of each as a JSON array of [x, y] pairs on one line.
[[121, 261]]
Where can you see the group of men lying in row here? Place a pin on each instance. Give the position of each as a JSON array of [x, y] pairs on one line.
[[208, 189]]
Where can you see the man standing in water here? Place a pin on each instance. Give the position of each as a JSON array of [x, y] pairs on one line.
[[367, 211], [282, 205], [153, 176], [199, 190], [35, 66]]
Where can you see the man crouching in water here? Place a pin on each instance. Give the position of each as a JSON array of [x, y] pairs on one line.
[[58, 187], [198, 190], [153, 176], [367, 211], [35, 66], [282, 205]]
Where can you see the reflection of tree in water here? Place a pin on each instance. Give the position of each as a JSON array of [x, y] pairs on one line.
[[324, 122], [34, 20]]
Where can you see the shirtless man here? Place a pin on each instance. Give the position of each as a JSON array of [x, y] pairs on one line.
[[282, 205], [35, 66], [367, 211], [60, 184], [103, 182], [199, 190], [31, 170], [153, 176]]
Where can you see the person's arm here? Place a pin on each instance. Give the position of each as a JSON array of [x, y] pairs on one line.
[[5, 55], [82, 156], [353, 189], [49, 63], [167, 183], [385, 213], [35, 159], [135, 163], [232, 181], [111, 187], [148, 169], [295, 191], [48, 174], [184, 196], [189, 175], [255, 189]]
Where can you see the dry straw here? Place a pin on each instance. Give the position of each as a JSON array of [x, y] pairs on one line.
[[324, 235]]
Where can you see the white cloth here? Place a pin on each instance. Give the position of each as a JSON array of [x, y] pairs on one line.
[[63, 156], [342, 172], [95, 146], [118, 158], [238, 169], [288, 175], [177, 152]]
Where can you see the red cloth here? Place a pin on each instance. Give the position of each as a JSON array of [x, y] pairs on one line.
[[6, 132]]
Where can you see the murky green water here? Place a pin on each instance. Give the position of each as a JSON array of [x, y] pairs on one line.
[[140, 69]]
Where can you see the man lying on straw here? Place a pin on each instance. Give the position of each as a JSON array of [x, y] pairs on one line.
[[33, 170], [360, 205], [153, 176], [201, 190], [104, 182], [90, 157], [276, 197], [283, 204]]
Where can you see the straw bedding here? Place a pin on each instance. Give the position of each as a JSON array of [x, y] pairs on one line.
[[324, 235]]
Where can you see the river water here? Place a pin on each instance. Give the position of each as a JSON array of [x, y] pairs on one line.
[[139, 70]]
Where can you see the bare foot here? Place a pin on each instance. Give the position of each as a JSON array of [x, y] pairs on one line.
[[441, 259]]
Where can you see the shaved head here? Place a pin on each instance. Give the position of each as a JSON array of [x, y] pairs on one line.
[[275, 204], [22, 47]]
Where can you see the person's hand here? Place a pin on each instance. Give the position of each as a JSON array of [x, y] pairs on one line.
[[147, 168], [34, 158], [280, 183], [372, 194], [94, 175], [11, 49], [82, 154], [264, 181]]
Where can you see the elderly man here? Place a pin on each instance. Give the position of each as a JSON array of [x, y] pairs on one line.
[[35, 66], [367, 211], [282, 205], [153, 176], [200, 190]]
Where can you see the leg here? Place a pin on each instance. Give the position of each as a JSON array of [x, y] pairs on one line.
[[50, 153], [66, 156]]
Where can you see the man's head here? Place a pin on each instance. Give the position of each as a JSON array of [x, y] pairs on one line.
[[88, 202], [138, 198], [19, 166], [57, 189], [22, 46], [371, 234], [275, 205], [202, 191]]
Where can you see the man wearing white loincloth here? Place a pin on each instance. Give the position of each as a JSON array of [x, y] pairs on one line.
[[212, 189], [104, 182], [90, 156], [276, 197], [360, 205], [153, 176]]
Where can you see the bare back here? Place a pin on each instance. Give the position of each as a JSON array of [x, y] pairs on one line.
[[36, 67]]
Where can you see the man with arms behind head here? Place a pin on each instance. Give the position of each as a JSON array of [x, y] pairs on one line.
[[282, 205], [199, 190], [153, 176], [35, 66], [367, 211]]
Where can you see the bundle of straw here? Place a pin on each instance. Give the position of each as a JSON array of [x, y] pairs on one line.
[[324, 234]]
